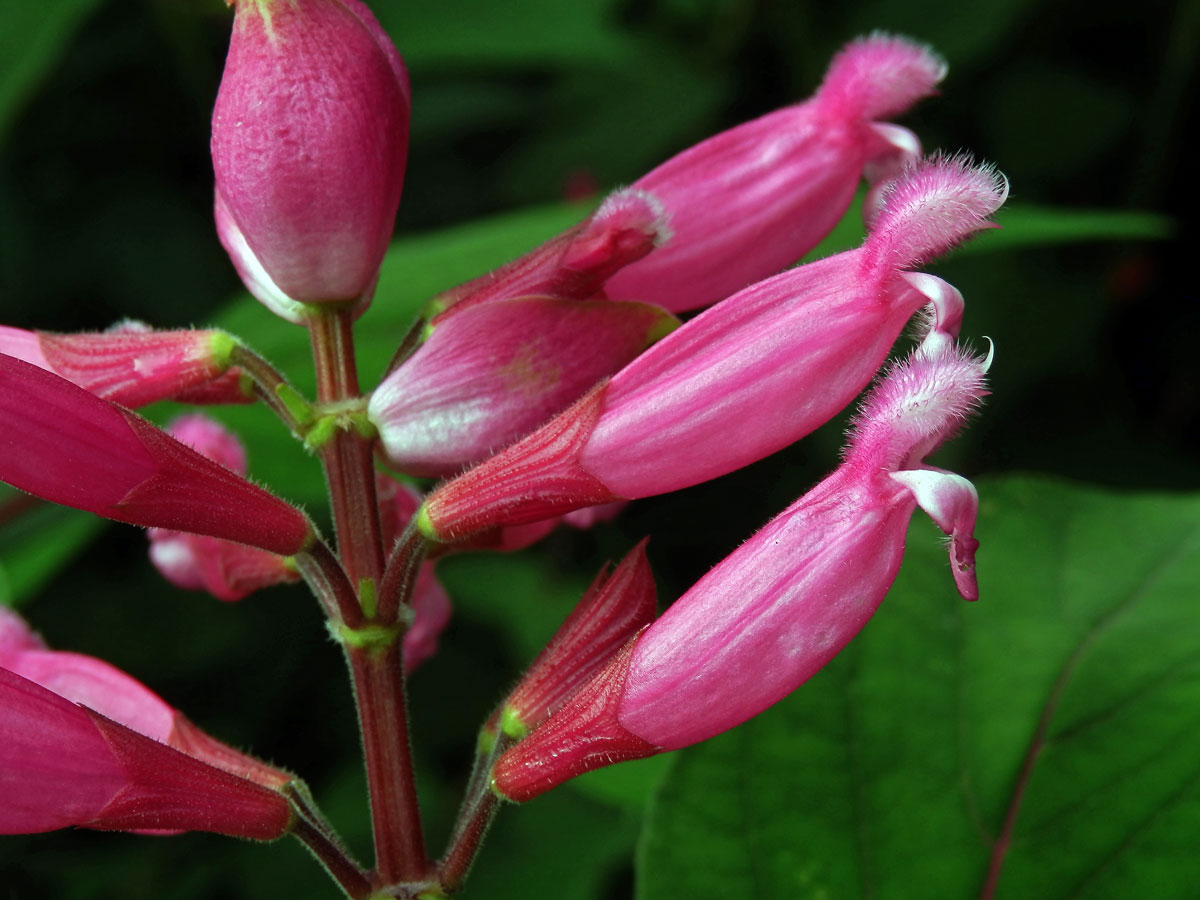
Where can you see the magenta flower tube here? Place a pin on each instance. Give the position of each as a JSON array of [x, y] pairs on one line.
[[782, 605], [750, 201], [68, 446], [82, 743], [743, 379], [309, 142]]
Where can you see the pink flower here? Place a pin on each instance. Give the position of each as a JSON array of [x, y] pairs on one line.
[[82, 743], [68, 446], [742, 380], [747, 202], [575, 264], [224, 569], [309, 141], [133, 365], [492, 372], [782, 605]]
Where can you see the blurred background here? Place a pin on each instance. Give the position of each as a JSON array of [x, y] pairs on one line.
[[523, 112]]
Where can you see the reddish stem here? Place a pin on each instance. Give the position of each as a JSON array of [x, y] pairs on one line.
[[379, 690], [347, 457], [352, 879], [479, 808], [377, 672]]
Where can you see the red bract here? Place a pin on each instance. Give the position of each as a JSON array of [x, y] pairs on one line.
[[68, 446], [617, 605], [309, 141], [575, 264]]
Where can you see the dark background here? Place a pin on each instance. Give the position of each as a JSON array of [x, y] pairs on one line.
[[105, 212]]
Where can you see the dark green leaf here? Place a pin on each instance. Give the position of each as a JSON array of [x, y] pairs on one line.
[[33, 37], [1041, 226], [1023, 226], [37, 544], [893, 773], [963, 34], [479, 32]]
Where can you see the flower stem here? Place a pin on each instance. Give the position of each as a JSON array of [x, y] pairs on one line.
[[272, 388], [328, 580], [400, 576], [348, 456], [376, 669], [352, 879], [479, 807], [379, 690]]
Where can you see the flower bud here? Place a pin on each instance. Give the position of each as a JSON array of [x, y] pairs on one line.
[[616, 606], [62, 765], [782, 605], [575, 264], [68, 446], [132, 365], [491, 373], [85, 744], [742, 380], [749, 201], [309, 140]]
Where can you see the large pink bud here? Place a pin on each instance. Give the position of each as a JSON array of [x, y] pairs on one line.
[[309, 140]]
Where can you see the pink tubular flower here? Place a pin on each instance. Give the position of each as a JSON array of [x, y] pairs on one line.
[[68, 446], [309, 141], [493, 372], [747, 202], [133, 365], [743, 379], [575, 264], [224, 569], [775, 611], [82, 743]]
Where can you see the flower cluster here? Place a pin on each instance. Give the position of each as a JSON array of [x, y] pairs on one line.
[[550, 391]]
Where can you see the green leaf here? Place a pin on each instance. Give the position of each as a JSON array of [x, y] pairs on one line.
[[33, 37], [1024, 226], [480, 32], [1048, 731], [37, 544]]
